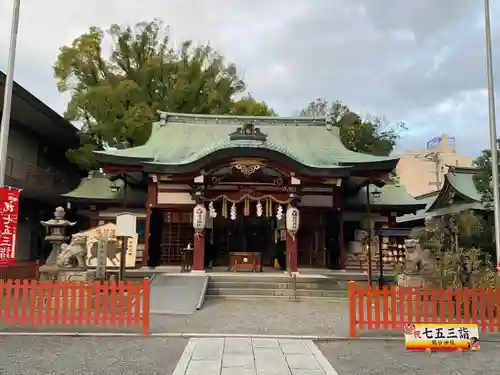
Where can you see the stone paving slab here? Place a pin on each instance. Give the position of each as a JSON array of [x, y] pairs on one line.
[[247, 356]]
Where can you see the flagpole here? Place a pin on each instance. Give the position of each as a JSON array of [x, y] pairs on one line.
[[7, 100], [492, 127]]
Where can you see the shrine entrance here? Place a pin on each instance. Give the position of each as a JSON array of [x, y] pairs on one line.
[[243, 230], [245, 234]]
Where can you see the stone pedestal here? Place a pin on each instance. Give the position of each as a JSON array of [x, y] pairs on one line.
[[64, 298], [56, 273], [413, 281]]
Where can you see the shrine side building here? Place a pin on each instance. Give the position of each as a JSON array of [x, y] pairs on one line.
[[245, 174]]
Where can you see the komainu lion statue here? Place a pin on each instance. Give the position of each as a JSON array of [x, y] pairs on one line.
[[75, 250], [81, 246], [418, 261]]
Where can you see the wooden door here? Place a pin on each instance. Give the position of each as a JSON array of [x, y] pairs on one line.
[[177, 233], [311, 239]]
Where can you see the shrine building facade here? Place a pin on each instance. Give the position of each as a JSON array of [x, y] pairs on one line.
[[244, 191]]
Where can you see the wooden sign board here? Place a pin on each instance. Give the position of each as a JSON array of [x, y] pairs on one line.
[[113, 247], [442, 336], [101, 258]]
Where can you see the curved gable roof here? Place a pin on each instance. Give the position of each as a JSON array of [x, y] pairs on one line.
[[458, 180], [183, 139]]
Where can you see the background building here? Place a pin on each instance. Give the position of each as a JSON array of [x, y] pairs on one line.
[[423, 171], [36, 163]]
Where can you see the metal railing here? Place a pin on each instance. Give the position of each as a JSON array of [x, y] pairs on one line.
[[27, 176], [292, 275]]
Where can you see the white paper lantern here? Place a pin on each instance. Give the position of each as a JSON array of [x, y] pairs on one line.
[[292, 220], [199, 218]]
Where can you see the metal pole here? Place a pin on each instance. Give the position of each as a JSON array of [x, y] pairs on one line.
[[369, 223], [7, 99], [492, 126], [123, 259], [123, 251], [437, 164]]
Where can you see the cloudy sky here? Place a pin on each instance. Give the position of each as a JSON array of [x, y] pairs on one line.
[[422, 62]]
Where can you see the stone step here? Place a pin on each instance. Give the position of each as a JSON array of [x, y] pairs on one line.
[[274, 298], [341, 277], [275, 292], [237, 284], [263, 278]]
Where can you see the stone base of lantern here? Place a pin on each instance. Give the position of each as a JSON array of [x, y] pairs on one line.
[[69, 299], [56, 273], [413, 281]]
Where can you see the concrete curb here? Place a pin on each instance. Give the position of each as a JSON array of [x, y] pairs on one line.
[[199, 335], [323, 338]]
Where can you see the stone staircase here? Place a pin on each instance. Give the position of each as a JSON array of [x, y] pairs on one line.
[[260, 286]]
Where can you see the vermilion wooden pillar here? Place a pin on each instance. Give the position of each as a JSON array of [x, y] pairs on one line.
[[292, 250], [151, 200], [199, 251]]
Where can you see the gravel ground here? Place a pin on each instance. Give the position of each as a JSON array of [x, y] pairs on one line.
[[96, 356], [259, 317], [390, 358], [232, 316]]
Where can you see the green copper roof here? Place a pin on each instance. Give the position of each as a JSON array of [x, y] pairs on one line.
[[98, 187], [464, 184], [183, 138], [390, 195], [460, 181], [428, 199]]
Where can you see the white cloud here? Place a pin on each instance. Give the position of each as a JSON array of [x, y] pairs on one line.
[[421, 61]]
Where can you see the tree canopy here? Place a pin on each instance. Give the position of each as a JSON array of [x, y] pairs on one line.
[[116, 96], [482, 178], [372, 135]]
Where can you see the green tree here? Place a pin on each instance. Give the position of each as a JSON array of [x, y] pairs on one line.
[[115, 97], [371, 135], [251, 107], [482, 177]]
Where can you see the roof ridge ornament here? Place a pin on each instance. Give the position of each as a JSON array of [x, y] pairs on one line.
[[248, 132]]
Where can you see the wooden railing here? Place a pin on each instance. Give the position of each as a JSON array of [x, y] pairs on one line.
[[30, 176], [27, 270], [371, 308], [93, 304]]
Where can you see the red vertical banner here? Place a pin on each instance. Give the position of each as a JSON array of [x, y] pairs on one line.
[[9, 209]]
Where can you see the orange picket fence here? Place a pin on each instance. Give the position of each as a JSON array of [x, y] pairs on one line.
[[23, 270], [94, 304], [371, 308]]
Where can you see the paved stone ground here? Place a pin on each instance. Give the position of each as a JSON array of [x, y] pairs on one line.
[[390, 358], [245, 356], [259, 317], [82, 356]]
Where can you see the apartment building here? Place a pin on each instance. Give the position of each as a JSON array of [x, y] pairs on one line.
[[36, 163], [423, 171]]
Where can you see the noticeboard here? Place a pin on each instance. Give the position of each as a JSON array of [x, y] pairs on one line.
[[446, 336]]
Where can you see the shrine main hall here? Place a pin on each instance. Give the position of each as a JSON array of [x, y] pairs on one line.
[[244, 192]]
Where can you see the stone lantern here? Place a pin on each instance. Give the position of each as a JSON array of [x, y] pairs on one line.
[[57, 234]]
